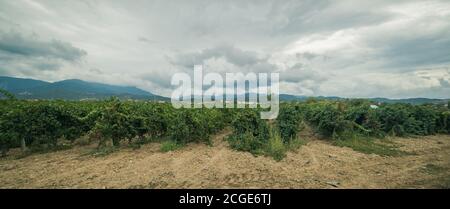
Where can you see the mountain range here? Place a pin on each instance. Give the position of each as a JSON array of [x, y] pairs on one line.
[[416, 101], [74, 89]]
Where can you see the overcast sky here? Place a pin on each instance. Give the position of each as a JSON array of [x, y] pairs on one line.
[[395, 49]]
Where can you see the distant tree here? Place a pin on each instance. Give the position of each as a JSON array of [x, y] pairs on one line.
[[7, 94]]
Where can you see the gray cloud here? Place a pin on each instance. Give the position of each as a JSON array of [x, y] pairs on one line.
[[419, 51], [444, 83], [27, 55], [95, 70], [345, 48], [29, 46], [146, 40], [230, 53], [312, 16], [159, 79], [306, 55], [299, 73]]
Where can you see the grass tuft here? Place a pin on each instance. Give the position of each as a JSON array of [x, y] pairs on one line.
[[169, 146], [370, 146], [275, 146], [295, 144], [433, 169]]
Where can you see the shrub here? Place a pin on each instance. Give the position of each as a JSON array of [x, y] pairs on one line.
[[188, 126], [113, 123], [394, 119], [169, 146], [424, 120], [275, 146], [250, 132], [328, 119], [288, 122], [245, 142], [248, 121]]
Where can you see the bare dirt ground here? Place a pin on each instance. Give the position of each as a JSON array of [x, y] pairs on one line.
[[318, 164]]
